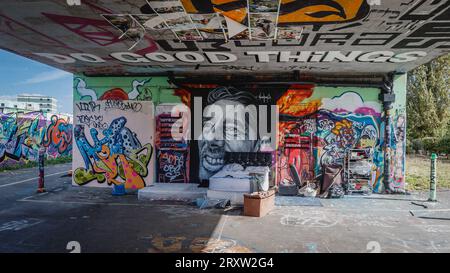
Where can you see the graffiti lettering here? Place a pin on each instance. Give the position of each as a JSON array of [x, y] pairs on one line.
[[115, 155], [94, 121], [88, 106], [124, 106], [22, 134], [58, 135], [172, 166]]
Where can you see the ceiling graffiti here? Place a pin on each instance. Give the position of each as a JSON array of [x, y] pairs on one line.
[[149, 36]]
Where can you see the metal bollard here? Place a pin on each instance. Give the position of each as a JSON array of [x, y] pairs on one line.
[[433, 178], [41, 159]]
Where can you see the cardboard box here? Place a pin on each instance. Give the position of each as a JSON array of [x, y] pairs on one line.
[[259, 204]]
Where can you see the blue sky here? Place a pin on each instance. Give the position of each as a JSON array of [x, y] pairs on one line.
[[20, 75]]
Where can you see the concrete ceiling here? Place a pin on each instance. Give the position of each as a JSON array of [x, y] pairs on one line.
[[119, 37]]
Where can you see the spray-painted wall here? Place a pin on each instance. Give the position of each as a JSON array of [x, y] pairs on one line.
[[317, 124], [114, 131], [398, 137], [22, 134]]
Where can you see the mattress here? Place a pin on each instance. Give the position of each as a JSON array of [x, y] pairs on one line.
[[236, 198], [230, 184], [241, 181]]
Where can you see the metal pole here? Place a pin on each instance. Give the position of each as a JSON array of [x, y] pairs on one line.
[[433, 179], [41, 160]]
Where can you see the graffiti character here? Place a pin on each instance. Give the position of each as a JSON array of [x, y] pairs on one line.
[[344, 133], [213, 146], [117, 158]]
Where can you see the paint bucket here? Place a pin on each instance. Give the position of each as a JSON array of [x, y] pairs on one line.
[[119, 190]]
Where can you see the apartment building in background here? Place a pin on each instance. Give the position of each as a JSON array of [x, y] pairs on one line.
[[46, 104], [29, 103]]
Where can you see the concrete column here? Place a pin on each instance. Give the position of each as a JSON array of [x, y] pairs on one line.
[[387, 97]]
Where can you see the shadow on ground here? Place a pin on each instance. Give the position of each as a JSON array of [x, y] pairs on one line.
[[100, 222]]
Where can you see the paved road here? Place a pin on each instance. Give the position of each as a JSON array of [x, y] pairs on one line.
[[99, 222]]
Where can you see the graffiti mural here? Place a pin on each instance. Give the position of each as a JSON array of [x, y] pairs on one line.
[[172, 145], [22, 134], [346, 132], [398, 144], [172, 166], [318, 125], [135, 37], [321, 11], [119, 152], [138, 89], [209, 148], [58, 137], [105, 103], [297, 132]]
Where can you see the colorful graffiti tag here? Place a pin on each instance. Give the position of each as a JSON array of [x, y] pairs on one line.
[[398, 144], [172, 154], [58, 137], [172, 166], [22, 134], [115, 153]]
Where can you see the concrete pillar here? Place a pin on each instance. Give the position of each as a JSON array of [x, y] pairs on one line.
[[387, 97]]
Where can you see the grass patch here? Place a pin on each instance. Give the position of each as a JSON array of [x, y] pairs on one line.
[[418, 173], [32, 164]]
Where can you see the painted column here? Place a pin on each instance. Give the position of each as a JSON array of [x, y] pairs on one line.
[[394, 102], [387, 97]]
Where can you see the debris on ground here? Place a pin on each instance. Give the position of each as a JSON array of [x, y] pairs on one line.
[[420, 205], [205, 203]]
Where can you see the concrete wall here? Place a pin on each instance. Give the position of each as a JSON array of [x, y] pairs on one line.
[[327, 121], [21, 135]]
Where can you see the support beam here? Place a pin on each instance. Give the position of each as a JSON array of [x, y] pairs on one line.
[[387, 97]]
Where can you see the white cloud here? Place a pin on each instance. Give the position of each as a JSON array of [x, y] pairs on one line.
[[349, 101], [47, 76], [7, 98], [30, 94]]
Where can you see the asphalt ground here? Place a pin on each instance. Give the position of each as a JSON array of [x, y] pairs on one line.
[[68, 218]]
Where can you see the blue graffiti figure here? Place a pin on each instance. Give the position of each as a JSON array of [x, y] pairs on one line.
[[86, 149], [120, 140]]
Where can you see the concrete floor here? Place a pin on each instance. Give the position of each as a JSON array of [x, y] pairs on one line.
[[99, 222]]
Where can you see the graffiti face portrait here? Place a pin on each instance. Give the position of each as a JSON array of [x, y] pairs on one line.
[[322, 11], [223, 132]]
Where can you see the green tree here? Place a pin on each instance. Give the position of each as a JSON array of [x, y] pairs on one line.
[[428, 99]]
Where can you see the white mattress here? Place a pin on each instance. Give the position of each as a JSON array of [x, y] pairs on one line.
[[240, 181], [230, 184], [236, 198]]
